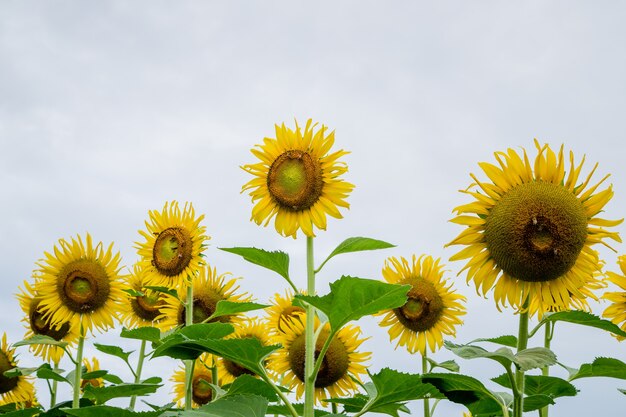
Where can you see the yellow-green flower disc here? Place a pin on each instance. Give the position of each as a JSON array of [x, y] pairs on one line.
[[616, 312], [297, 180], [17, 389], [432, 309], [530, 231], [81, 280]]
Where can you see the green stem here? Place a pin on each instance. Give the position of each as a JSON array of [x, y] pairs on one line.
[[281, 394], [425, 371], [522, 343], [189, 363], [320, 357], [53, 390], [142, 356], [309, 360], [334, 408], [78, 373], [545, 371]]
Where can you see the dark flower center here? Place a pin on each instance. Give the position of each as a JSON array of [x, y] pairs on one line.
[[423, 307], [334, 365], [41, 326], [83, 286], [201, 390], [6, 384], [172, 251]]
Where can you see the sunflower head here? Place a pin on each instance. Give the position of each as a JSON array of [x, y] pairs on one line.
[[201, 381], [91, 366], [282, 311], [341, 366], [616, 312], [17, 389], [530, 230], [80, 280], [297, 180], [140, 310], [174, 241], [432, 309]]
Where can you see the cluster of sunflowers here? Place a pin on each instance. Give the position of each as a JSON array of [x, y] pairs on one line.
[[528, 236]]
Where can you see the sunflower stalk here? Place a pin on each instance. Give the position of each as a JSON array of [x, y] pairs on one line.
[[425, 371], [545, 371], [280, 394], [309, 361], [142, 356], [78, 373], [189, 364], [53, 388], [522, 343]]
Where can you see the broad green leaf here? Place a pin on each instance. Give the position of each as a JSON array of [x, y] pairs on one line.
[[503, 355], [100, 373], [536, 402], [235, 406], [108, 411], [152, 380], [150, 334], [46, 372], [164, 290], [606, 367], [463, 389], [247, 384], [133, 293], [551, 386], [357, 244], [226, 308], [17, 371], [248, 352], [536, 357], [507, 340], [585, 319], [450, 365], [100, 395], [39, 339], [299, 407], [275, 261], [114, 379], [352, 298], [113, 351], [28, 412], [59, 409], [356, 404], [190, 341]]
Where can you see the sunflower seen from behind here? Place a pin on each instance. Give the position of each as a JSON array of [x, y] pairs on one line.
[[201, 380], [530, 230], [432, 310], [616, 312], [80, 280], [297, 180], [16, 389], [172, 250], [140, 310]]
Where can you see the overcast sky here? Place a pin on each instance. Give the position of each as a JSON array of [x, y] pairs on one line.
[[109, 109]]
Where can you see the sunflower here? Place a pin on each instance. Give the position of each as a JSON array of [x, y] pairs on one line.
[[17, 389], [529, 233], [297, 180], [341, 365], [138, 311], [282, 310], [228, 370], [617, 311], [92, 366], [202, 377], [431, 310], [208, 289], [37, 325], [80, 280], [173, 246]]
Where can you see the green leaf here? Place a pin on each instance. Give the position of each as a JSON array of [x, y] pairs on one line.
[[357, 244], [190, 341], [133, 293], [623, 391], [356, 404], [39, 339], [114, 379], [507, 340], [28, 412], [164, 290], [585, 319], [59, 409], [536, 357], [275, 261], [150, 334], [536, 402], [227, 308], [247, 384], [100, 395], [113, 351], [451, 365], [18, 371], [152, 380], [299, 407], [503, 355], [108, 411], [247, 352], [235, 406], [45, 371], [463, 389], [352, 298], [539, 384], [100, 373], [606, 367]]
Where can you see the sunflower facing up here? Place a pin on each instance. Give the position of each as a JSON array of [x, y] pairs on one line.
[[530, 231], [341, 364], [432, 309], [17, 389], [208, 289], [616, 312], [37, 325], [174, 241], [201, 380], [297, 180], [80, 280], [138, 311], [282, 310]]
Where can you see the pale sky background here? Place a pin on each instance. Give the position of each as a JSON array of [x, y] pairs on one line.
[[109, 109]]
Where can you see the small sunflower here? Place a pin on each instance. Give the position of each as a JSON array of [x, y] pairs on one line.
[[617, 311], [530, 231], [208, 289], [80, 281], [297, 180], [37, 324], [282, 310], [174, 242], [228, 370], [17, 389], [91, 366], [138, 311], [341, 365], [432, 310], [202, 378]]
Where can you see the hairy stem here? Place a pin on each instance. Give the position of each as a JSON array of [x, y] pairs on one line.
[[78, 373], [142, 356], [425, 371], [309, 360], [522, 343], [189, 363], [545, 371]]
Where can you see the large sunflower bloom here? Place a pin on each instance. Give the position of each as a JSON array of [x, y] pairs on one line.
[[298, 180], [174, 241], [432, 309], [80, 280], [208, 289], [228, 370], [530, 231], [617, 311], [201, 380], [138, 311], [342, 363], [282, 310], [36, 324], [17, 389]]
